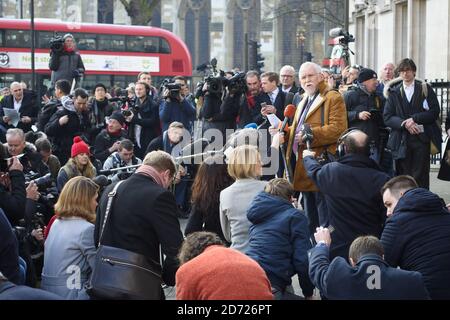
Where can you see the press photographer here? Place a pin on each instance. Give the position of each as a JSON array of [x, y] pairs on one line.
[[142, 119], [65, 61], [365, 112], [175, 106]]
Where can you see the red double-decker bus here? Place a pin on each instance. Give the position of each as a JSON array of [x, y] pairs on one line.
[[112, 54]]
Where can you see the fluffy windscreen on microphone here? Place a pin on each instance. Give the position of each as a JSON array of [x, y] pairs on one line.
[[289, 111], [336, 32]]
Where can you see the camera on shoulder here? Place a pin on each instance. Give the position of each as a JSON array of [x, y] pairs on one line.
[[57, 43]]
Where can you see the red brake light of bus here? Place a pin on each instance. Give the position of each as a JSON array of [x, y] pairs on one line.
[[177, 65]]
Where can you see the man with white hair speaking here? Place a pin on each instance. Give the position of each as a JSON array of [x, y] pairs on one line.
[[324, 111]]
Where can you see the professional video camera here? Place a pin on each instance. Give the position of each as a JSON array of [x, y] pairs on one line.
[[57, 43], [237, 84], [344, 36], [174, 88]]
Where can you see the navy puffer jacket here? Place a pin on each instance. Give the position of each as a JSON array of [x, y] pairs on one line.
[[417, 237], [279, 241]]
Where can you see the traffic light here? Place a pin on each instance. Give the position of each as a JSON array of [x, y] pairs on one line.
[[255, 59], [252, 54], [259, 62]]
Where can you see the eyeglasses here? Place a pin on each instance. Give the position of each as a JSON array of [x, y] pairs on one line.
[[286, 76]]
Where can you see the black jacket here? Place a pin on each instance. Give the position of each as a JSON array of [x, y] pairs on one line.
[[279, 104], [357, 101], [397, 110], [143, 217], [340, 281], [103, 142], [351, 188], [417, 238], [13, 202], [148, 118], [63, 65], [62, 136], [9, 252], [28, 108], [199, 221]]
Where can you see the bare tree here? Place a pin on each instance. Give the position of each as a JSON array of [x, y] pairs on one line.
[[140, 11], [327, 10]]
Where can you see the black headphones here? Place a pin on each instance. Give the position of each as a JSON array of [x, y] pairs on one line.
[[340, 151]]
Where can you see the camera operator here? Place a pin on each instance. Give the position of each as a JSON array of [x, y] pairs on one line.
[[99, 107], [123, 157], [70, 121], [247, 102], [365, 112], [65, 60], [222, 114], [175, 106], [142, 119]]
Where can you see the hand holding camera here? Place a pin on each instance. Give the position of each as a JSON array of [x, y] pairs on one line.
[[15, 164]]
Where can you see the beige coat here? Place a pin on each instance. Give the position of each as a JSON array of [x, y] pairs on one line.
[[325, 138]]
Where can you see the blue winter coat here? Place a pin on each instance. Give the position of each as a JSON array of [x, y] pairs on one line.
[[170, 111], [370, 279], [417, 237], [351, 188], [279, 241]]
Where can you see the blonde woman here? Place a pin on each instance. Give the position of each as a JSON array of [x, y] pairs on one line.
[[79, 164], [244, 166], [69, 249]]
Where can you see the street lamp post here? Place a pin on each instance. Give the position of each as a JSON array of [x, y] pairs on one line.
[[33, 34]]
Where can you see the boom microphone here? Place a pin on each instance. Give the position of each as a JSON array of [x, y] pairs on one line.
[[191, 148], [289, 113], [336, 32]]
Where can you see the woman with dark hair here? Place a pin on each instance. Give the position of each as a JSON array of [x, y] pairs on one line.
[[212, 177]]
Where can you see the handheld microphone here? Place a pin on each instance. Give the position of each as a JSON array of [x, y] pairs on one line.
[[307, 135], [251, 125], [289, 113], [336, 32]]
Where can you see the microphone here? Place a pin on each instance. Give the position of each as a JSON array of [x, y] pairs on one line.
[[307, 135], [102, 181], [289, 99], [336, 32], [289, 113], [251, 125]]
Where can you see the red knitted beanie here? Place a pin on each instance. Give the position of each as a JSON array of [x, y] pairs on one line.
[[79, 146]]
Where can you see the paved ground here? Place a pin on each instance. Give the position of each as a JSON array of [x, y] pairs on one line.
[[442, 188]]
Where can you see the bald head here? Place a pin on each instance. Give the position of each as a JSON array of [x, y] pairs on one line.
[[387, 72], [357, 142]]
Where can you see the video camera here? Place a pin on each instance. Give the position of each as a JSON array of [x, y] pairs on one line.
[[345, 36], [174, 88], [57, 43], [217, 81]]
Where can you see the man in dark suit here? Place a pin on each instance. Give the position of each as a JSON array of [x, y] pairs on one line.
[[411, 111], [287, 79], [270, 101], [368, 277], [24, 102]]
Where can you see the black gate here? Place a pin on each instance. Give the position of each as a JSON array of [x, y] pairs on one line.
[[442, 89]]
